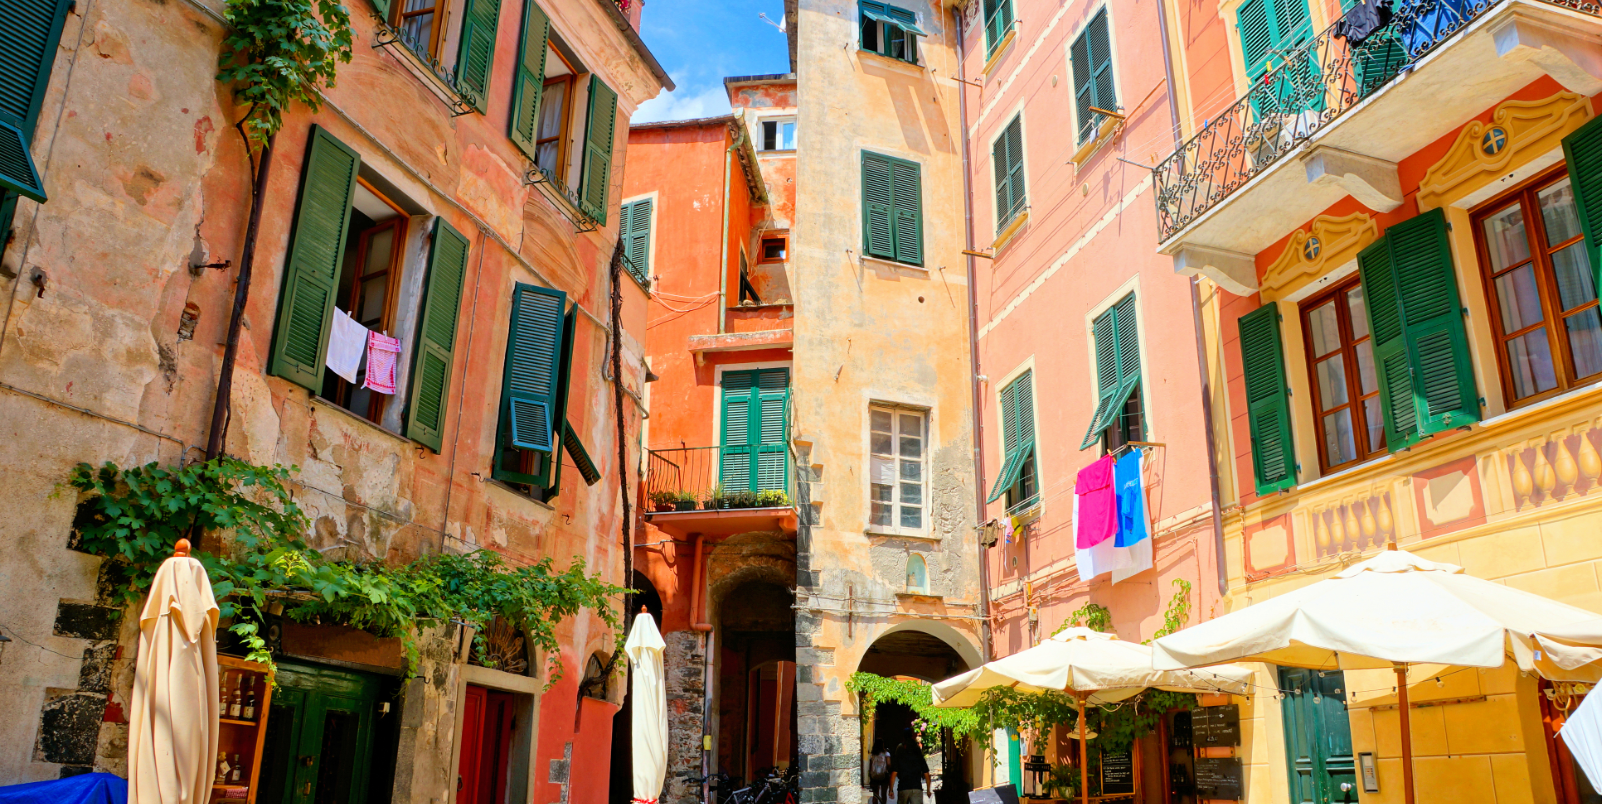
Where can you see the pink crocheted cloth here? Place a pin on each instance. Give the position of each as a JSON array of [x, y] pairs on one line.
[[383, 352]]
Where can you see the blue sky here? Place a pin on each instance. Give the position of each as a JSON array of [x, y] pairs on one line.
[[699, 42]]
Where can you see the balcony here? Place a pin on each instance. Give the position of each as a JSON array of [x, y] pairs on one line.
[[1333, 119], [720, 491]]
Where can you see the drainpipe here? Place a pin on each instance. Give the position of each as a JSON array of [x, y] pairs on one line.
[[698, 581], [974, 349], [1197, 329]]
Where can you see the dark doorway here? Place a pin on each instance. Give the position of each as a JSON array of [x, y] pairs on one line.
[[621, 782], [323, 738], [756, 679]]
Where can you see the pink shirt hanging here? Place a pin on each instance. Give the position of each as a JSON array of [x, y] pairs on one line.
[[383, 352], [1094, 486]]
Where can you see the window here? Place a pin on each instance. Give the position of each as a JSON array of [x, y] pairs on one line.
[[1017, 480], [27, 55], [893, 224], [1092, 60], [748, 291], [1417, 331], [532, 424], [1269, 414], [774, 249], [551, 142], [889, 31], [1008, 171], [896, 469], [999, 21], [918, 576], [1541, 288], [635, 226], [545, 86], [369, 280], [1342, 375], [1118, 417], [779, 135], [418, 22], [325, 262], [752, 448]]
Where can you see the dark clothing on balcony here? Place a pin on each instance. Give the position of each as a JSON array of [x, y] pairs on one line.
[[1363, 20]]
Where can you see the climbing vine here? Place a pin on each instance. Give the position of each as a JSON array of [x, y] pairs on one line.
[[1091, 615], [134, 516], [1179, 610], [277, 53]]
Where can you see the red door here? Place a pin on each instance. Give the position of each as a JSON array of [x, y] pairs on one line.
[[473, 726], [488, 718]]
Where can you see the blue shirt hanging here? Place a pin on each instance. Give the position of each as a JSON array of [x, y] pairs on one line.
[[1132, 502]]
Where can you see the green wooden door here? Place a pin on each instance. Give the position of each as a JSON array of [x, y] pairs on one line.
[[320, 734], [752, 448], [1314, 713]]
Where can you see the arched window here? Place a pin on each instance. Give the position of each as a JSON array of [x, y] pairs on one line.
[[918, 578]]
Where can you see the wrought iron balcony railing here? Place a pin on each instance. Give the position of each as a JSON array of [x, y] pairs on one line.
[[692, 478], [1308, 87]]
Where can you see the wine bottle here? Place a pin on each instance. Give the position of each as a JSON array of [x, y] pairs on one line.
[[249, 712], [235, 706], [233, 773]]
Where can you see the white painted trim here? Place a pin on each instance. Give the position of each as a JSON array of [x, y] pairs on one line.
[[925, 412], [1024, 160]]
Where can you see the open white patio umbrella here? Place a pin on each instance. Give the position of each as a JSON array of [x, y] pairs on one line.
[[1090, 665], [1395, 610], [648, 708], [172, 733]]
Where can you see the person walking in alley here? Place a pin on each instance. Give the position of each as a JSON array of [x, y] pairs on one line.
[[880, 774], [907, 766]]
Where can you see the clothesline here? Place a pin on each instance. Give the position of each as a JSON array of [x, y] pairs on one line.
[[352, 345]]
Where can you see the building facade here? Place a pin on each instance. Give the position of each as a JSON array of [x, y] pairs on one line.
[[458, 189], [1397, 222]]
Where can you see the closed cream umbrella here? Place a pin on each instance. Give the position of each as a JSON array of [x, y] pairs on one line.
[[172, 731], [648, 708], [1395, 610], [1090, 665]]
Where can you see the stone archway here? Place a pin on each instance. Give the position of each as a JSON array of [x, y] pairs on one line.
[[929, 651]]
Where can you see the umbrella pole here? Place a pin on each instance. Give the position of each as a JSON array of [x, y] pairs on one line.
[[1404, 739], [1085, 792]]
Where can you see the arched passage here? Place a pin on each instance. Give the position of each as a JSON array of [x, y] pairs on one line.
[[927, 651], [755, 673]]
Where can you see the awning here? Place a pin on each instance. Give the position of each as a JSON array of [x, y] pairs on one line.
[[1013, 464], [17, 171], [1107, 409], [891, 15]]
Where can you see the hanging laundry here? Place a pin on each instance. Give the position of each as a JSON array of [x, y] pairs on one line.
[[347, 341], [1133, 560], [1100, 558], [1094, 487], [1134, 545], [1362, 20], [1008, 530], [383, 353]]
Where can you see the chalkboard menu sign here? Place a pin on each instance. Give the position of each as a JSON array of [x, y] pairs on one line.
[[1218, 778], [1118, 775], [1216, 726]]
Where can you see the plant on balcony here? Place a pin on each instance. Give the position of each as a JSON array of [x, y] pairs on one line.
[[664, 500], [738, 499], [685, 500], [773, 498]]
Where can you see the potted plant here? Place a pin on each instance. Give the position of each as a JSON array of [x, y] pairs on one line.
[[1063, 781], [714, 499], [685, 501], [773, 498], [663, 500], [739, 499]]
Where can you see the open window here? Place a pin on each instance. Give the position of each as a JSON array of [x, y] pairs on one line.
[[889, 31], [1016, 482], [1118, 417], [778, 134], [775, 248], [370, 280]]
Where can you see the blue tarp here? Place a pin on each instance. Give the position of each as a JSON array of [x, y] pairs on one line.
[[86, 788]]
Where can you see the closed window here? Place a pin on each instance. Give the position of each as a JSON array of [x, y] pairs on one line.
[[1008, 171], [999, 16], [1345, 394], [532, 427], [778, 135], [888, 31], [893, 222], [774, 249], [635, 227], [897, 487], [1016, 482], [1542, 288], [1117, 419], [1092, 61], [753, 451]]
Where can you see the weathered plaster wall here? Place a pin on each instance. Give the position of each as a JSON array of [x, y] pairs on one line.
[[146, 178]]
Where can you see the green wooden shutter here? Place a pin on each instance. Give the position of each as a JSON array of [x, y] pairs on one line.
[[382, 7], [529, 79], [1255, 24], [735, 457], [908, 231], [430, 379], [312, 266], [635, 226], [877, 240], [1583, 161], [599, 120], [1269, 410], [773, 401], [999, 173], [534, 357], [1016, 165], [999, 18], [1092, 60], [28, 42], [1119, 365], [1427, 384], [752, 441], [576, 450], [477, 50], [1080, 63], [1016, 403]]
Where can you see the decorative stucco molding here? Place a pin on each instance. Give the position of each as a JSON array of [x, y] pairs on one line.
[[1329, 241], [1519, 132]]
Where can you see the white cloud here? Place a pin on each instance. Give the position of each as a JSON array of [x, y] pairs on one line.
[[688, 102]]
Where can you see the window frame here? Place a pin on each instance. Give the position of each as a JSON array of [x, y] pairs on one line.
[[397, 20], [1364, 451], [910, 33], [892, 163], [1086, 129], [563, 139], [1540, 259], [778, 123], [392, 290], [897, 411], [785, 248], [1028, 473], [994, 39]]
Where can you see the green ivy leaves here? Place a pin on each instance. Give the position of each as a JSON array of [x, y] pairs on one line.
[[277, 53]]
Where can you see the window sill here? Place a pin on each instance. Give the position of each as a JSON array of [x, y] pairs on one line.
[[330, 405], [1006, 236], [1001, 49], [893, 533], [913, 65], [865, 260], [1105, 132], [428, 71], [777, 152], [919, 597], [764, 306], [562, 197], [507, 487], [1525, 408]]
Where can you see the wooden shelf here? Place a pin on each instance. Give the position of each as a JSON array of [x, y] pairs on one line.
[[248, 736], [231, 722]]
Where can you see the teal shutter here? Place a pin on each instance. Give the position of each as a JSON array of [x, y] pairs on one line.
[[477, 50], [550, 468], [752, 454], [999, 174], [312, 266], [1008, 168], [1582, 159], [877, 240], [529, 383], [430, 379], [383, 9], [1256, 27], [1119, 365], [529, 79], [1092, 61], [1269, 410], [28, 41], [1427, 383], [908, 218], [999, 18], [576, 450], [1017, 404], [1268, 29], [635, 226], [599, 121]]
